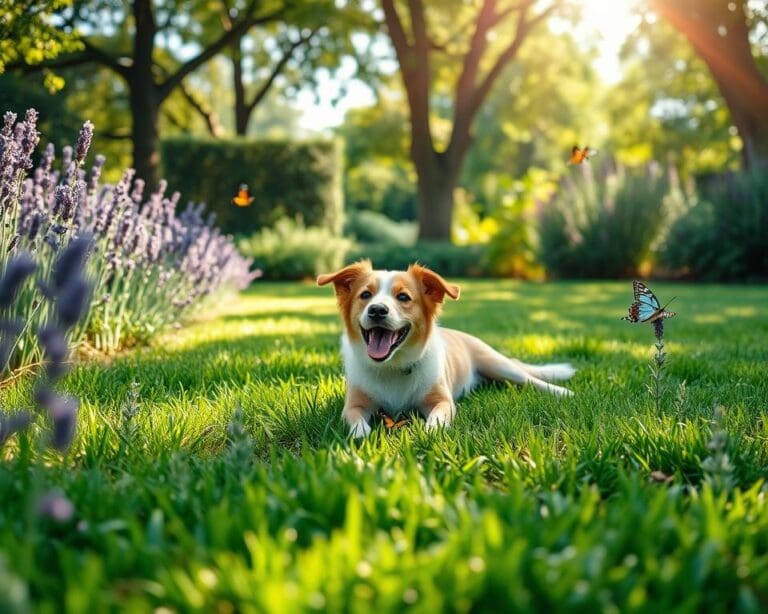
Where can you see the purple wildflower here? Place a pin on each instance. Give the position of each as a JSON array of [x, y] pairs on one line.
[[13, 423], [55, 506], [29, 137], [73, 300], [19, 267], [61, 194], [98, 166], [64, 415], [34, 225], [138, 190], [84, 142], [54, 343], [71, 260]]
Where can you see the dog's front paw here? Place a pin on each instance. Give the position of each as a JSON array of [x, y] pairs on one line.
[[359, 429], [439, 417]]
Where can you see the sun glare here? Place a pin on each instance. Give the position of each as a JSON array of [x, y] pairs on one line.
[[608, 22]]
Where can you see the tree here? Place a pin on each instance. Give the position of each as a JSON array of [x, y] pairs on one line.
[[438, 168], [311, 35], [719, 31], [27, 33], [150, 72], [667, 106]]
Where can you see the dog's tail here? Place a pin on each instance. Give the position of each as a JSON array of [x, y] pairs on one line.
[[554, 372]]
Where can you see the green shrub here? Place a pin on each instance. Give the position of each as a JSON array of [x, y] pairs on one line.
[[723, 235], [285, 178], [603, 226], [445, 258], [291, 250], [382, 186], [373, 227], [512, 250]]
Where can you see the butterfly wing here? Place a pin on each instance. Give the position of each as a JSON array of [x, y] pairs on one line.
[[646, 307], [391, 423], [577, 155], [243, 198], [647, 303], [590, 152]]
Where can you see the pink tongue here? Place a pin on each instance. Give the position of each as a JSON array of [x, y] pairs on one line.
[[380, 341]]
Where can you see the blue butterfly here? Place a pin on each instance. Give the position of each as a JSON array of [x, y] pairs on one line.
[[646, 307]]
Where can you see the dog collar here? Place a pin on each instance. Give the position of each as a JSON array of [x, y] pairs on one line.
[[409, 369]]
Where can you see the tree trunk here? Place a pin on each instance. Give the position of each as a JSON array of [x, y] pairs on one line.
[[144, 97], [145, 112], [721, 38], [436, 183], [241, 108]]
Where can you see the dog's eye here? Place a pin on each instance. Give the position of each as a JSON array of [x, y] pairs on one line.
[[366, 295], [403, 297]]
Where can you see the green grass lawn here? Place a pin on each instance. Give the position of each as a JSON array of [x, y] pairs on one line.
[[528, 502]]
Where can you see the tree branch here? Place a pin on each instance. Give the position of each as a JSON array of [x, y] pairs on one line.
[[396, 31], [108, 60], [286, 57], [239, 29], [524, 27], [209, 115]]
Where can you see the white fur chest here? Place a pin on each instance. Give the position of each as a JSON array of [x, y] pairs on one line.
[[400, 385]]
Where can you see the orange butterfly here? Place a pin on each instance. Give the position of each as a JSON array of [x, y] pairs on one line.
[[581, 155], [243, 198], [390, 422]]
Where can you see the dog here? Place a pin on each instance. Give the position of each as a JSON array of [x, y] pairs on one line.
[[396, 357]]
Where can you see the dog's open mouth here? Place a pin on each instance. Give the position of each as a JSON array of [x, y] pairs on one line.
[[382, 342]]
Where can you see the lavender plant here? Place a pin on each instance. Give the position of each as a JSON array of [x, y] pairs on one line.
[[646, 308], [656, 365], [149, 264], [68, 291]]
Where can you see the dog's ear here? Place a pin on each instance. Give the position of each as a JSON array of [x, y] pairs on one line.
[[344, 278], [434, 286]]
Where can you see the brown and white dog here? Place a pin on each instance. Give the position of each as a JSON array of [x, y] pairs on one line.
[[396, 357]]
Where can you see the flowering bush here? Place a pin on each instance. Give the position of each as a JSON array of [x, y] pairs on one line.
[[605, 226], [148, 263]]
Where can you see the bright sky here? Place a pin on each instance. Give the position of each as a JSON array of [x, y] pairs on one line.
[[606, 22]]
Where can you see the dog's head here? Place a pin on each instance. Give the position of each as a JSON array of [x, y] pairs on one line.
[[391, 313]]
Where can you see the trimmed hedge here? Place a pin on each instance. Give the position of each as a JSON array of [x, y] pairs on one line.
[[445, 258], [286, 179]]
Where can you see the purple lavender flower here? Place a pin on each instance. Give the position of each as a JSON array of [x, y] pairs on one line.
[[71, 260], [54, 343], [66, 157], [13, 423], [73, 301], [19, 267], [138, 190], [64, 415], [64, 203], [54, 505], [29, 137], [98, 166], [9, 119], [84, 142]]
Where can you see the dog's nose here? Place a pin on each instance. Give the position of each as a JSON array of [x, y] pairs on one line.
[[377, 311]]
